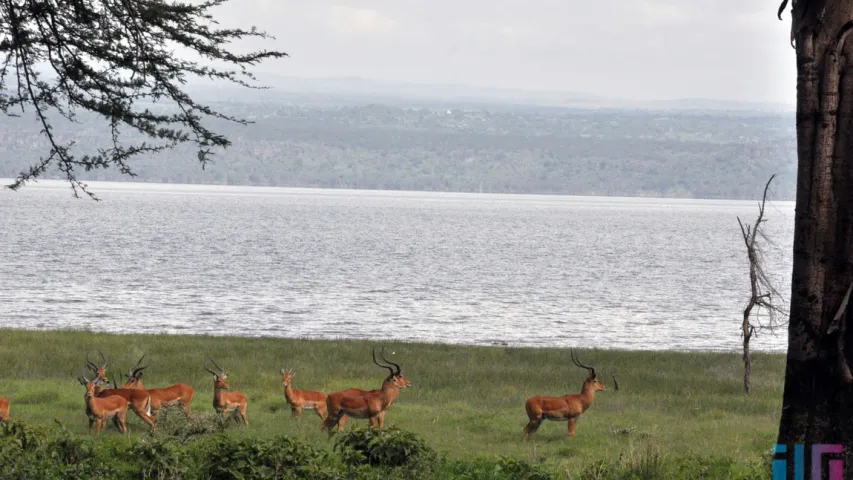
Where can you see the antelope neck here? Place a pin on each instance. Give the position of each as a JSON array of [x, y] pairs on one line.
[[587, 395]]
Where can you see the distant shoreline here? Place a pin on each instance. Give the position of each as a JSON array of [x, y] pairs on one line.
[[135, 185]]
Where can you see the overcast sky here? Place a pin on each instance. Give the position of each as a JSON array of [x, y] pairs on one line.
[[657, 49]]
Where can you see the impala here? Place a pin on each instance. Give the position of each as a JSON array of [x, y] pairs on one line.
[[371, 404], [178, 394], [4, 410], [100, 372], [101, 409], [566, 408], [224, 402], [139, 401], [302, 399]]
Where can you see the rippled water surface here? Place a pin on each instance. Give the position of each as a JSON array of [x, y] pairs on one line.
[[457, 268]]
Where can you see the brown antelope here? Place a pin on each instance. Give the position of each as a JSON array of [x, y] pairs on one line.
[[100, 372], [303, 399], [566, 408], [224, 402], [101, 409], [4, 410], [139, 400], [178, 394], [371, 404]]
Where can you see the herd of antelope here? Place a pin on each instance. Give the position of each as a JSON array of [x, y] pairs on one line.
[[334, 409]]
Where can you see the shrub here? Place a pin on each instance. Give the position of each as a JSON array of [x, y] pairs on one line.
[[159, 458], [282, 457], [389, 447]]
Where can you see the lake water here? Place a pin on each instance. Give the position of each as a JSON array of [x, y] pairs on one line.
[[632, 273]]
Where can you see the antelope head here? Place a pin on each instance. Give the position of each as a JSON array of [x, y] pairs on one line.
[[218, 378], [134, 374], [101, 371], [592, 380], [395, 377], [89, 384], [286, 376]]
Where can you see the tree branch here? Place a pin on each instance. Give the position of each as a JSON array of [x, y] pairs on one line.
[[116, 58]]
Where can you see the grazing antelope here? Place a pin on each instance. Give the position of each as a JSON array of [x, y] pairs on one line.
[[566, 408], [4, 410], [178, 394], [224, 402], [101, 409], [372, 404], [302, 399]]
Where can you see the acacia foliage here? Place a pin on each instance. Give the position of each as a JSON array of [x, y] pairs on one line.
[[116, 58]]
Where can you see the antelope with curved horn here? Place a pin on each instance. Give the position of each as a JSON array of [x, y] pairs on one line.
[[178, 394], [224, 402], [371, 404], [101, 409], [302, 399], [566, 408], [139, 400], [100, 372]]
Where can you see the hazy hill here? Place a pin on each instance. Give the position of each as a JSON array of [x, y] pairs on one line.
[[358, 135]]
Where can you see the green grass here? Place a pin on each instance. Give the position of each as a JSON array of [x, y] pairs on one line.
[[465, 402]]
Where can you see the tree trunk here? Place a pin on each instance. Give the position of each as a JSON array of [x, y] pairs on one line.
[[817, 402], [747, 336]]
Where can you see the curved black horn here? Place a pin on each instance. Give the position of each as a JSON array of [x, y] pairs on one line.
[[82, 379], [216, 365], [90, 364], [103, 358], [390, 369], [204, 364], [382, 356], [134, 371], [578, 363], [615, 383]]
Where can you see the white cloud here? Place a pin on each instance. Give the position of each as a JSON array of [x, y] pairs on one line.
[[735, 49], [359, 21], [660, 14], [495, 34]]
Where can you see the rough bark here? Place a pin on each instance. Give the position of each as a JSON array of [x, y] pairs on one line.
[[817, 402]]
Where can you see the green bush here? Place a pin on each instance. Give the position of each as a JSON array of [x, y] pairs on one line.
[[282, 457], [389, 447], [39, 452], [34, 452]]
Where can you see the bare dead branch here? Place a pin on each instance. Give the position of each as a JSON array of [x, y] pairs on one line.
[[763, 294]]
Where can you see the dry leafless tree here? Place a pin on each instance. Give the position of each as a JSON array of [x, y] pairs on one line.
[[763, 294]]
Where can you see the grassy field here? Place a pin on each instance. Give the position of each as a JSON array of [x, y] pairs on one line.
[[465, 401]]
